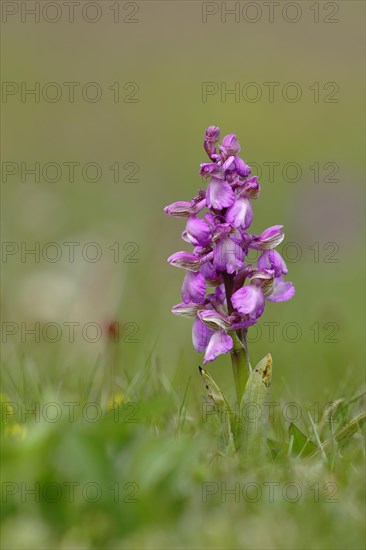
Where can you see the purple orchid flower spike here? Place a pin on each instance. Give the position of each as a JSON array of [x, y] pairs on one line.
[[221, 241]]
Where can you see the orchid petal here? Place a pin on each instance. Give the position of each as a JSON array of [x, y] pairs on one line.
[[201, 335], [241, 168], [186, 310], [271, 259], [240, 214], [182, 209], [194, 288], [219, 343], [249, 300], [185, 260], [219, 194], [198, 231], [214, 320], [228, 256], [282, 291]]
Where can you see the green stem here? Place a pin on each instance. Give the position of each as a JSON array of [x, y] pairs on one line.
[[239, 353], [241, 367]]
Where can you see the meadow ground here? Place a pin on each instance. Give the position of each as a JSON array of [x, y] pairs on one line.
[[151, 471]]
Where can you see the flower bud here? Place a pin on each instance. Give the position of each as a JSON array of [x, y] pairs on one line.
[[212, 134], [230, 145]]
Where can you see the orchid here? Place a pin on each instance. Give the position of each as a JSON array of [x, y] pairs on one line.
[[222, 291]]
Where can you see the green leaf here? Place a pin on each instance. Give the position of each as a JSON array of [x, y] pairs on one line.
[[343, 436], [352, 427], [213, 391], [301, 445], [331, 413], [253, 414], [277, 448], [224, 418]]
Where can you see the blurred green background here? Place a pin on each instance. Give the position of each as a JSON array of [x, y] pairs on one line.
[[169, 52]]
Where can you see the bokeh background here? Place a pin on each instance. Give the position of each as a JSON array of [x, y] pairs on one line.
[[169, 53]]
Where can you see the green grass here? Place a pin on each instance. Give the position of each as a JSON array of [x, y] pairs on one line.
[[164, 476]]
